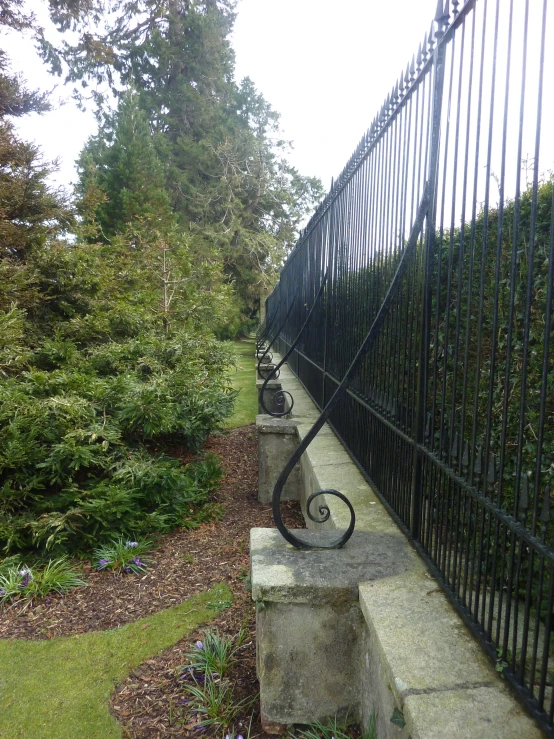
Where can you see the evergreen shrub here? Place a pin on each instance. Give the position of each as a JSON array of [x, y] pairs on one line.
[[84, 435]]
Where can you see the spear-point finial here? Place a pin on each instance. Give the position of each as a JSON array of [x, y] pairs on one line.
[[424, 47], [401, 82], [439, 11], [428, 427], [419, 58], [454, 451], [432, 36], [478, 464], [445, 444], [412, 67], [407, 75]]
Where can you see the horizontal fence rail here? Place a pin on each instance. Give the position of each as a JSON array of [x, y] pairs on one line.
[[450, 415]]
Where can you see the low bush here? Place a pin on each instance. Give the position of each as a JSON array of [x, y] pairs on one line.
[[83, 433], [123, 556], [19, 582], [211, 695], [216, 653]]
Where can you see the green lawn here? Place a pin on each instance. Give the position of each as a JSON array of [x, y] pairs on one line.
[[60, 689], [244, 380]]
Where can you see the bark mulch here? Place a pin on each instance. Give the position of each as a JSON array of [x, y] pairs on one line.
[[150, 703]]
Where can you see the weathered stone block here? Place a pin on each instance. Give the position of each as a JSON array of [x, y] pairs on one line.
[[272, 387], [277, 442], [309, 623]]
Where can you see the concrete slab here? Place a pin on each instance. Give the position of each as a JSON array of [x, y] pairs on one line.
[[472, 713], [439, 676], [401, 611], [269, 425], [281, 573], [326, 450]]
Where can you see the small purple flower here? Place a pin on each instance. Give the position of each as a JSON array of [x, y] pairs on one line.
[[136, 561], [102, 563], [2, 592], [240, 736], [27, 576], [132, 544], [127, 569], [199, 645]]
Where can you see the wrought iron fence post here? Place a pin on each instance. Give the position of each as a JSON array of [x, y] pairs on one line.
[[441, 18]]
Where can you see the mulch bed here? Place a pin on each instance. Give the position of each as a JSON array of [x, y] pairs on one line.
[[150, 702]]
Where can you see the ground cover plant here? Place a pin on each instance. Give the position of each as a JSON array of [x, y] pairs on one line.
[[211, 702], [335, 728], [22, 584], [123, 556]]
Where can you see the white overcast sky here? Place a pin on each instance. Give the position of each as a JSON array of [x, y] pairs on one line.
[[325, 66]]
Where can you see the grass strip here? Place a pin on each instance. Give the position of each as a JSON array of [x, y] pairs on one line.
[[60, 689], [244, 380]]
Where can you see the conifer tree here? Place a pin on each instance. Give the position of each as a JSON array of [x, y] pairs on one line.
[[225, 168], [122, 162]]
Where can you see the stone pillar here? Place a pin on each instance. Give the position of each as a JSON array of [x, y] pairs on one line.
[[277, 442], [309, 624]]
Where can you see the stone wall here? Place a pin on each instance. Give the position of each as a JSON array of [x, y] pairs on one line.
[[365, 629]]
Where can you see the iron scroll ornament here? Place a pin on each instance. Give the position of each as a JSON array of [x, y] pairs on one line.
[[323, 509], [280, 397]]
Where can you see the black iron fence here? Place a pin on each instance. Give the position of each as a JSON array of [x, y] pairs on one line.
[[450, 412]]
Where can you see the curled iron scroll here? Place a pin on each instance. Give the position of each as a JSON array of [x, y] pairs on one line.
[[281, 396], [323, 509]]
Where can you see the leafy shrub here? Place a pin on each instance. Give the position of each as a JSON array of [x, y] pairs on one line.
[[123, 556], [17, 581], [216, 653], [213, 700], [79, 433]]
